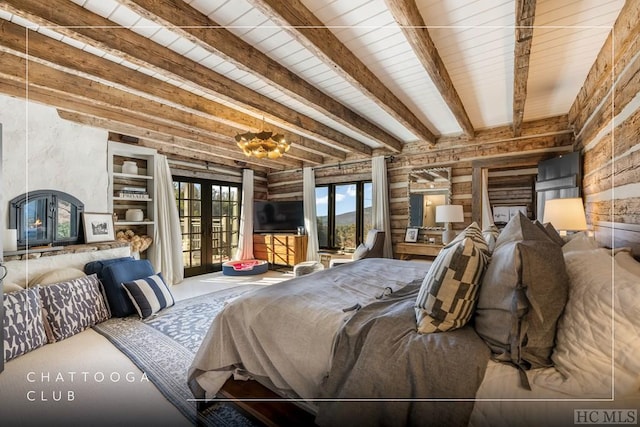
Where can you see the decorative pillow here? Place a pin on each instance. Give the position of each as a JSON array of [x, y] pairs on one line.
[[553, 233], [523, 293], [490, 235], [625, 260], [11, 287], [98, 266], [474, 233], [521, 228], [57, 276], [360, 252], [71, 307], [149, 295], [550, 231], [23, 325], [598, 332], [580, 242], [449, 291], [114, 275]]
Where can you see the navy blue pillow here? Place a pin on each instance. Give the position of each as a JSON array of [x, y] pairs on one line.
[[114, 275], [96, 267], [149, 295]]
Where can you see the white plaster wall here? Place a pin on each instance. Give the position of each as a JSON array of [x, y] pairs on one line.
[[42, 151]]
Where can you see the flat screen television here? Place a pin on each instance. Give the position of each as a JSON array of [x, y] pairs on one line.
[[277, 217]]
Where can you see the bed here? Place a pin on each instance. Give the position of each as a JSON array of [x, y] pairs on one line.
[[343, 342]]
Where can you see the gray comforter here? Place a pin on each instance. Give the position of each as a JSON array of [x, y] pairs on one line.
[[285, 333], [380, 356]]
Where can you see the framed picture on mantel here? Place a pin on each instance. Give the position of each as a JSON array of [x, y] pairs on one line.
[[98, 227]]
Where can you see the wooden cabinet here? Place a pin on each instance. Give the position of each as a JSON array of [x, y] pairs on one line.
[[280, 249], [132, 188], [408, 250]]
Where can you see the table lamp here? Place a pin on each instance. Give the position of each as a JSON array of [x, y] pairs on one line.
[[448, 214], [565, 215]]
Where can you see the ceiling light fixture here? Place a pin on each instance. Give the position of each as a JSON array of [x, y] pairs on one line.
[[262, 144]]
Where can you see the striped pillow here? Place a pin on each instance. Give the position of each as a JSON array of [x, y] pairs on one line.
[[449, 291], [149, 295]]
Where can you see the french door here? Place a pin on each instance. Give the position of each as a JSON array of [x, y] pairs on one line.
[[210, 221]]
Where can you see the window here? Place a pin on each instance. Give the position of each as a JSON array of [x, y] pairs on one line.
[[343, 213], [46, 217]]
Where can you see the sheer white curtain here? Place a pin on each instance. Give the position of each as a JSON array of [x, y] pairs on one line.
[[487, 216], [380, 206], [310, 224], [245, 240], [166, 255]]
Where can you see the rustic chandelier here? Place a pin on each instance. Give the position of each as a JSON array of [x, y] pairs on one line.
[[262, 144]]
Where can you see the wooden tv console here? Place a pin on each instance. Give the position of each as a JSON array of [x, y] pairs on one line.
[[280, 248]]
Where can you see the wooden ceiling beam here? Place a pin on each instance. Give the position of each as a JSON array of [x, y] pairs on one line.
[[525, 15], [408, 16], [169, 145], [74, 61], [63, 16], [208, 34], [119, 101], [308, 30], [138, 127]]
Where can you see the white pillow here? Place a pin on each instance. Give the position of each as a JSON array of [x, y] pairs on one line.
[[585, 336], [360, 252], [56, 276], [625, 260], [10, 287]]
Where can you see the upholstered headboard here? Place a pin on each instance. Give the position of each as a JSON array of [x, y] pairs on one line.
[[618, 235]]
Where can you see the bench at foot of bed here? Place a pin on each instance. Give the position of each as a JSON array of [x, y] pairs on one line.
[[273, 410]]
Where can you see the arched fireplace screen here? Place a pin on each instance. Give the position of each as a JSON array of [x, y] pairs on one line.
[[46, 217]]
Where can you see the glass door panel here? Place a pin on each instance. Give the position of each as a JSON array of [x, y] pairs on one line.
[[209, 229]]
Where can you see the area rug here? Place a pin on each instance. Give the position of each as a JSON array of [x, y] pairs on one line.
[[164, 346]]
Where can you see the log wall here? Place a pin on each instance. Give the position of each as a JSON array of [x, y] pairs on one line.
[[539, 140], [606, 118]]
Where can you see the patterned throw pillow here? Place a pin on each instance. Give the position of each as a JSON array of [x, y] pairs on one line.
[[71, 307], [449, 291], [23, 326], [490, 235], [149, 295], [474, 233]]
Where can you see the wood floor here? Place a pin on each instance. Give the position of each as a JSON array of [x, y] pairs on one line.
[[268, 412]]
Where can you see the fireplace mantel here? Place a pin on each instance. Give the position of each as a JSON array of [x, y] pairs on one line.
[[61, 250]]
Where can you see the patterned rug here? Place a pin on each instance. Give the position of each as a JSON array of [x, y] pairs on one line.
[[164, 346]]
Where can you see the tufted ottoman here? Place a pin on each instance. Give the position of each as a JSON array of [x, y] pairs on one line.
[[245, 267], [307, 267]]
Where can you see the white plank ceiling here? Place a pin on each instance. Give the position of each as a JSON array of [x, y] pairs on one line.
[[474, 38]]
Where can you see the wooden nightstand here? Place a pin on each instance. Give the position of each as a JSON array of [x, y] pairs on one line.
[[407, 250]]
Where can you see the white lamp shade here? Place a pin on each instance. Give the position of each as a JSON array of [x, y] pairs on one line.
[[449, 213], [565, 214]]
